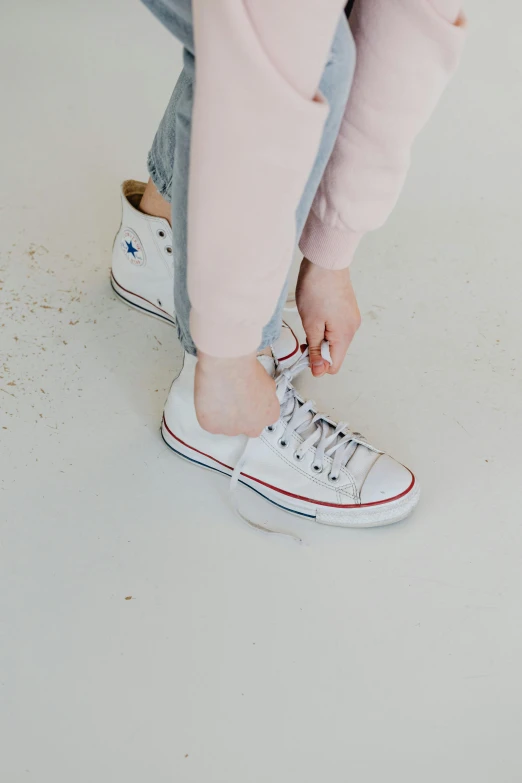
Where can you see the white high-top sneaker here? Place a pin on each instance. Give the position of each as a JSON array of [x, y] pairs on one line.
[[142, 273], [305, 463]]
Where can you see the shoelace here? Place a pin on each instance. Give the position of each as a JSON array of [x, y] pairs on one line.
[[330, 439]]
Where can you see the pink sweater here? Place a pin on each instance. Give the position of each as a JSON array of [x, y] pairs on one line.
[[257, 124]]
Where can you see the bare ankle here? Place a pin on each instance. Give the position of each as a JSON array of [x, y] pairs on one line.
[[153, 203]]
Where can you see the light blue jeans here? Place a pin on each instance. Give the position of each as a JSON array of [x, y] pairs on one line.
[[168, 160]]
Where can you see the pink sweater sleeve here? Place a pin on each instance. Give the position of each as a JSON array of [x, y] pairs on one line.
[[256, 127], [407, 51]]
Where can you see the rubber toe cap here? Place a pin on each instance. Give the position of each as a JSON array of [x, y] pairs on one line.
[[387, 480]]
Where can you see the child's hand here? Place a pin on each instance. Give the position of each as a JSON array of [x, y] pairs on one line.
[[329, 311], [234, 396]]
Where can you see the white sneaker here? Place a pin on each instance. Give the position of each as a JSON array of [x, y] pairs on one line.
[[305, 463], [142, 273]]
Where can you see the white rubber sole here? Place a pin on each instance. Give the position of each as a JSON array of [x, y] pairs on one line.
[[370, 515], [140, 303]]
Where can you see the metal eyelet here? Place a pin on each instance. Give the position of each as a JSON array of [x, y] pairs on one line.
[[283, 443], [298, 456], [168, 249], [317, 468], [270, 428], [333, 479], [161, 233]]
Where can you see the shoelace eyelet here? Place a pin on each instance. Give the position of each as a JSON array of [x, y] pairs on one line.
[[168, 249], [283, 443], [161, 233], [333, 479], [298, 456], [317, 468], [270, 428]]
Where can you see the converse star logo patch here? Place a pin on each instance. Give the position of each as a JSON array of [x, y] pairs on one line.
[[132, 247]]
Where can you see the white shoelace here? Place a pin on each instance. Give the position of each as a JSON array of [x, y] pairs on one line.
[[330, 439]]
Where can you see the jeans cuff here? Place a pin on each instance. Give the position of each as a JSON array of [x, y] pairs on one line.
[[270, 335], [162, 186]]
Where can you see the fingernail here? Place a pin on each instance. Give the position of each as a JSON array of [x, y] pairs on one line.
[[318, 363]]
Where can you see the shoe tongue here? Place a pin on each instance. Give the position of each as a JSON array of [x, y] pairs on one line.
[[307, 427], [268, 363]]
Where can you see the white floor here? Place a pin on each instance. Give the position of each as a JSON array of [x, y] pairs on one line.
[[388, 654]]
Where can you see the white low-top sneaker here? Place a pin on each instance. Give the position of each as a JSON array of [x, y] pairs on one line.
[[305, 463], [142, 273]]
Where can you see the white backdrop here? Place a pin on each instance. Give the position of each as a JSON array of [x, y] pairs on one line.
[[386, 654]]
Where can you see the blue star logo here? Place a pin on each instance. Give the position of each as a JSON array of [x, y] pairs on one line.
[[131, 249]]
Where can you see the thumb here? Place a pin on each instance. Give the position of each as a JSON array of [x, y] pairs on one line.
[[315, 337]]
